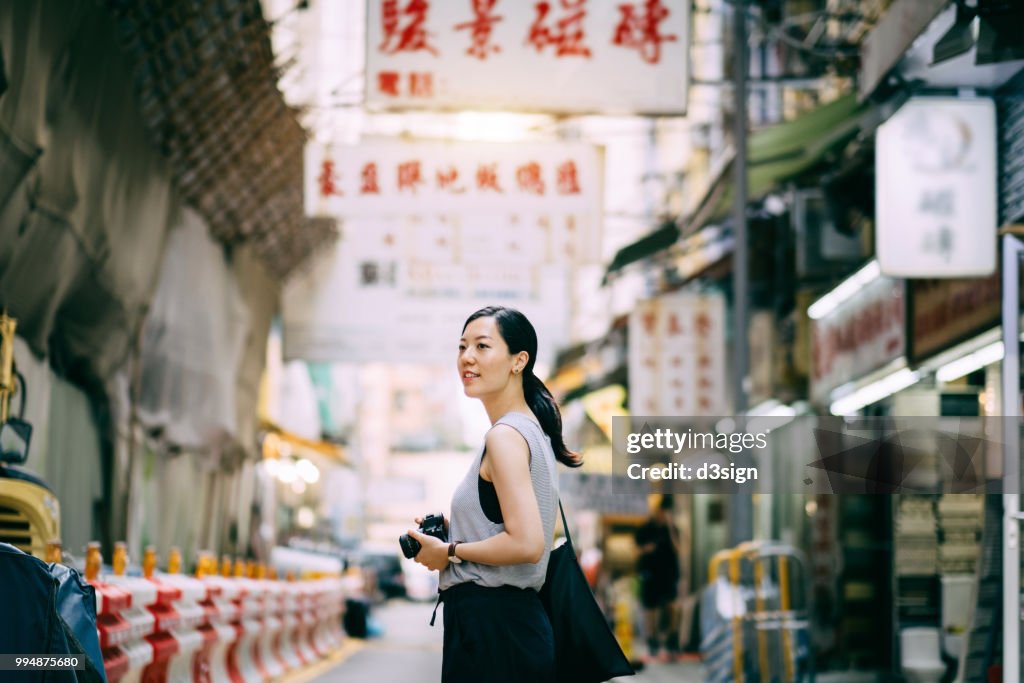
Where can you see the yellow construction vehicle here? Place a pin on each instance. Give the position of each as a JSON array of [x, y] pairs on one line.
[[29, 511]]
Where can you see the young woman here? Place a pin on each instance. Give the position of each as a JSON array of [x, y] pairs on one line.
[[503, 513]]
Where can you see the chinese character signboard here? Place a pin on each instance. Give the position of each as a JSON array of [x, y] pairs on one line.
[[534, 202], [561, 56], [935, 175], [676, 356], [945, 312], [861, 335], [432, 231]]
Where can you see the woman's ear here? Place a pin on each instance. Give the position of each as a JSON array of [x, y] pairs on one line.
[[522, 359]]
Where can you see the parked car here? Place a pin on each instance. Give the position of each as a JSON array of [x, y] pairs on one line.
[[382, 571]]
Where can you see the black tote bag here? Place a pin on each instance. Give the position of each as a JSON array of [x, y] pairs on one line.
[[585, 649]]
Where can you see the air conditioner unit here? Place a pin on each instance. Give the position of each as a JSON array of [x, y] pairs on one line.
[[820, 245]]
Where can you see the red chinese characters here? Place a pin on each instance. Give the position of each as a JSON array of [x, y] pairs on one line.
[[421, 84], [410, 176], [448, 179], [487, 178], [650, 321], [639, 29], [387, 83], [369, 183], [568, 180], [480, 29], [702, 321], [524, 177], [408, 36], [568, 36], [328, 180], [529, 178]]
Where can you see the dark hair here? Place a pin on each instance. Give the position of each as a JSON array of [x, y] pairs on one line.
[[519, 335]]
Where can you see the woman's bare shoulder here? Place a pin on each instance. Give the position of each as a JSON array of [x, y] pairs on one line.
[[506, 438]]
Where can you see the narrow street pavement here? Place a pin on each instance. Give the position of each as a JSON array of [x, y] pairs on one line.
[[410, 652]]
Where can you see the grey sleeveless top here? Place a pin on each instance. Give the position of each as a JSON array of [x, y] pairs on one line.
[[467, 521]]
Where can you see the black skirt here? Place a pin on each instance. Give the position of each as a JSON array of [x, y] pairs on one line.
[[496, 635]]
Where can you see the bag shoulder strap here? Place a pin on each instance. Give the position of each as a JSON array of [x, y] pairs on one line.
[[565, 526]]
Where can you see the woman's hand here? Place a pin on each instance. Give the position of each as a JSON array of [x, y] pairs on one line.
[[433, 552]]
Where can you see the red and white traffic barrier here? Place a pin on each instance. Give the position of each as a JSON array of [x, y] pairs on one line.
[[211, 629]]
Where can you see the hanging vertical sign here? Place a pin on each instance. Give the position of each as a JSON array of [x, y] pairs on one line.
[[676, 361], [935, 188], [560, 56]]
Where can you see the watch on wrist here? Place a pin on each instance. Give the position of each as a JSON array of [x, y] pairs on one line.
[[452, 557]]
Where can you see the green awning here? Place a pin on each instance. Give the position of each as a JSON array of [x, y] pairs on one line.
[[775, 154], [649, 244], [795, 138], [783, 152]]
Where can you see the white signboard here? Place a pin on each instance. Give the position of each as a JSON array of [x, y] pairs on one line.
[[367, 301], [935, 175], [562, 56], [532, 202], [676, 357], [862, 334], [431, 232]]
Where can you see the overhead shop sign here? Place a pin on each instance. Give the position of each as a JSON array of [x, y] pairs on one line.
[[946, 312], [432, 231], [861, 335], [676, 356], [935, 175], [559, 56]]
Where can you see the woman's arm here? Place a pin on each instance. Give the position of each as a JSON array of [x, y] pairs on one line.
[[522, 542]]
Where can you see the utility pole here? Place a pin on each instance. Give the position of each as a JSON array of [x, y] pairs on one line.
[[1013, 250], [741, 509]]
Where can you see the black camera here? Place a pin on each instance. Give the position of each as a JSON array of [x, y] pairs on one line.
[[433, 525]]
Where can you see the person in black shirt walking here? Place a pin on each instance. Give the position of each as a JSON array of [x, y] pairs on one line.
[[658, 568]]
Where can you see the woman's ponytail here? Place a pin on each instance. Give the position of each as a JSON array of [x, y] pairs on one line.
[[543, 405]]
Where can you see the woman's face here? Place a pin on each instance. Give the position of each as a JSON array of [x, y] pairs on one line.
[[485, 364]]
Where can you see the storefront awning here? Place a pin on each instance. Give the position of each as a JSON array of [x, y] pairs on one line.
[[648, 245], [614, 376], [781, 153], [776, 154], [299, 445]]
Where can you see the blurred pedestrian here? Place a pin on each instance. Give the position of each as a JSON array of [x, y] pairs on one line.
[[503, 513], [658, 570]]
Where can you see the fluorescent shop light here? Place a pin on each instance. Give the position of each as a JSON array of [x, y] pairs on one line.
[[876, 391], [844, 291], [309, 472], [771, 408], [971, 362], [286, 472]]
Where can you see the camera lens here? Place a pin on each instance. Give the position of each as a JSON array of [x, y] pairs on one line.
[[410, 546]]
